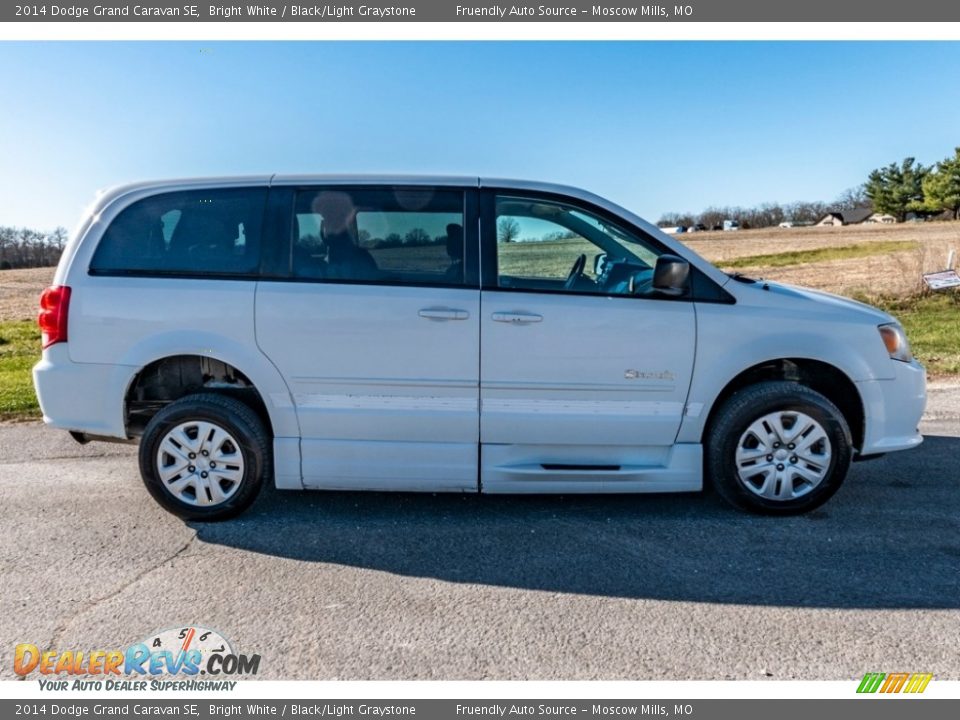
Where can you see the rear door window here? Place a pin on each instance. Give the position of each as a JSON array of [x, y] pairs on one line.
[[202, 232], [391, 236]]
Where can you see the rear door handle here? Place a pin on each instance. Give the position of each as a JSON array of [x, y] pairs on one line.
[[443, 313], [517, 318]]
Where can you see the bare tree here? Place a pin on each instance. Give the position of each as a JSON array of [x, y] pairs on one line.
[[24, 247], [807, 212], [416, 237], [508, 230], [851, 198], [712, 217]]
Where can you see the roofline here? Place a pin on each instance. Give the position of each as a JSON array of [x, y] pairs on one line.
[[376, 179], [345, 179]]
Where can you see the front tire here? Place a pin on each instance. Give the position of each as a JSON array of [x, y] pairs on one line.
[[205, 457], [778, 448]]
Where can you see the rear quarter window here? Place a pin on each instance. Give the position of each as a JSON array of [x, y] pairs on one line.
[[203, 232]]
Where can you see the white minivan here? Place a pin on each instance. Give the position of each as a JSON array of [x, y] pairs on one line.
[[451, 335]]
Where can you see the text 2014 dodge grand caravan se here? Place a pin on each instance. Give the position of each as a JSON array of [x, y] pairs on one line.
[[451, 334]]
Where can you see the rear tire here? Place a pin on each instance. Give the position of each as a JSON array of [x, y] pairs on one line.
[[778, 448], [205, 457]]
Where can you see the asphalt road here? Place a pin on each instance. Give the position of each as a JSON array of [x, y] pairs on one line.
[[381, 586]]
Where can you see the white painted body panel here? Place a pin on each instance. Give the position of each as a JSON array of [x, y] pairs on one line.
[[381, 393], [413, 466], [894, 407], [784, 322], [85, 397], [363, 393], [640, 469], [604, 374], [131, 322]]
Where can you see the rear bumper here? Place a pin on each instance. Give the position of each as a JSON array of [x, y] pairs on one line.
[[84, 397], [893, 409]]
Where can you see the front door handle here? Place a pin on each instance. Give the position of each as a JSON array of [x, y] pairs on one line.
[[517, 318], [443, 313]]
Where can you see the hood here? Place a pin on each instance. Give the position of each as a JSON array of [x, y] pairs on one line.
[[826, 301]]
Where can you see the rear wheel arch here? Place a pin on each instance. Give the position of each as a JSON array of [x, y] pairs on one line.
[[171, 378]]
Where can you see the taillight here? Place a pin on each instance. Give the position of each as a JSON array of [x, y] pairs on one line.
[[54, 306]]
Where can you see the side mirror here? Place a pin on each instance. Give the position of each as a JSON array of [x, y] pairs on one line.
[[599, 261], [671, 276]]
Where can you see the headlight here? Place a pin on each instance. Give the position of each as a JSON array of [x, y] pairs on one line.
[[896, 341]]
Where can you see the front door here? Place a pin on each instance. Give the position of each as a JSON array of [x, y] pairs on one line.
[[584, 368], [376, 329]]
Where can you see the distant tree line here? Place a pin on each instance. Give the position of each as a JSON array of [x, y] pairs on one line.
[[765, 215], [897, 189], [768, 214], [417, 237], [25, 248]]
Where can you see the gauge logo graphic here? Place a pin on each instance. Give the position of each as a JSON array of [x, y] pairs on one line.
[[192, 650], [185, 639]]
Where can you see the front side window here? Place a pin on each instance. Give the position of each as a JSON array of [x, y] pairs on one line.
[[207, 232], [552, 246], [389, 236]]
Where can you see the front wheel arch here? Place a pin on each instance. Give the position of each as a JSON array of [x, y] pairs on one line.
[[824, 378]]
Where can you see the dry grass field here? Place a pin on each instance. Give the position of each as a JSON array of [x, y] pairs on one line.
[[885, 274], [20, 292]]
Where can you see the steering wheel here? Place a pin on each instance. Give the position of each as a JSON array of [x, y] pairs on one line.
[[576, 272]]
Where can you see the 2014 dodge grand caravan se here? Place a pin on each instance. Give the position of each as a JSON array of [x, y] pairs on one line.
[[451, 334]]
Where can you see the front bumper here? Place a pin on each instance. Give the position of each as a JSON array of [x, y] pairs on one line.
[[893, 409]]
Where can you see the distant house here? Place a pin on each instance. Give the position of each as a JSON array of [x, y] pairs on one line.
[[856, 216]]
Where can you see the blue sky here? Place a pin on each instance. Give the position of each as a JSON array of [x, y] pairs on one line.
[[653, 126]]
